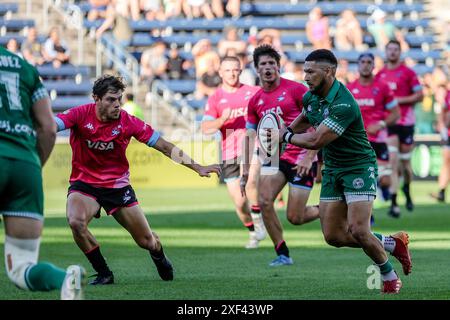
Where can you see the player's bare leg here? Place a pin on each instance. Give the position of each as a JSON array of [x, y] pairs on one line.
[[444, 175], [394, 145], [22, 244], [405, 159], [135, 222], [252, 197], [297, 211], [80, 211], [269, 186]]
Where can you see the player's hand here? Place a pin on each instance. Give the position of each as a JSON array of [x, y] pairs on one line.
[[373, 129], [303, 167], [243, 183], [225, 114], [204, 171]]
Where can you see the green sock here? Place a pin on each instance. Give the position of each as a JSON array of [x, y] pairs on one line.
[[378, 235], [386, 267], [44, 276]]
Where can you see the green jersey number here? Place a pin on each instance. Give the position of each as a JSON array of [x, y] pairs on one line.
[[11, 82]]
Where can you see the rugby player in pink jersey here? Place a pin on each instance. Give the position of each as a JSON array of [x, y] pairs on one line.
[[408, 91], [226, 110], [379, 109], [100, 134], [295, 166], [443, 97]]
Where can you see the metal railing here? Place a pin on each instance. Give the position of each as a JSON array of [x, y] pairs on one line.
[[119, 59]]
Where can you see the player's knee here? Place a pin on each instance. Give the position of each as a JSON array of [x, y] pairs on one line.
[[20, 254], [296, 218], [78, 226], [265, 202], [333, 240], [359, 232], [149, 241]]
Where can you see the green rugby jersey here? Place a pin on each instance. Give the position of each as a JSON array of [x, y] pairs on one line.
[[20, 88], [340, 112]]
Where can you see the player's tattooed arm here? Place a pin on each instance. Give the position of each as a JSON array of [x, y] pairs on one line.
[[310, 140], [179, 156], [300, 124]]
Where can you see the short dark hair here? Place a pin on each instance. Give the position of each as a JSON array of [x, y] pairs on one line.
[[393, 41], [129, 96], [230, 58], [107, 83], [322, 55], [366, 54], [265, 50]]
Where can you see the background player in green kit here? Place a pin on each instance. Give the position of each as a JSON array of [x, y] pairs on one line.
[[27, 137], [350, 173]]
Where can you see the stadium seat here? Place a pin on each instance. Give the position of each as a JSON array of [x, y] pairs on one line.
[[8, 7], [20, 39], [67, 71], [63, 103], [16, 24], [196, 104], [181, 86], [69, 87]]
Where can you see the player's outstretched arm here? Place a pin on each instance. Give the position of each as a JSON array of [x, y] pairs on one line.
[[45, 128], [300, 124], [310, 140], [176, 154]]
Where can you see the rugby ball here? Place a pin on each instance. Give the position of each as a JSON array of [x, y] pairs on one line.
[[270, 146]]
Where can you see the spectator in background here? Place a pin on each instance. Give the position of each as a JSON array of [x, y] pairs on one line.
[[208, 83], [152, 9], [154, 63], [172, 8], [56, 51], [118, 17], [32, 49], [248, 75], [382, 31], [343, 73], [204, 56], [317, 29], [197, 9], [233, 7], [349, 34], [13, 46], [132, 107], [231, 41], [98, 9], [177, 67]]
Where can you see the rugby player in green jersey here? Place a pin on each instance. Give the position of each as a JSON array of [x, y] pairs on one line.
[[349, 180], [27, 137]]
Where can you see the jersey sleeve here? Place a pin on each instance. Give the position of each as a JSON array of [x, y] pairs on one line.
[[211, 112], [39, 91], [389, 98], [68, 118], [141, 131], [341, 115], [414, 82], [252, 116]]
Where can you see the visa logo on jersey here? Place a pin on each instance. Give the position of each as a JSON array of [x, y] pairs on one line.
[[100, 145], [238, 112], [276, 110]]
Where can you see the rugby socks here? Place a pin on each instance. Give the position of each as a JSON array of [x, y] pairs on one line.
[[282, 249], [385, 193], [394, 199], [250, 226], [387, 241], [97, 261], [387, 271], [44, 276], [255, 209], [406, 191]]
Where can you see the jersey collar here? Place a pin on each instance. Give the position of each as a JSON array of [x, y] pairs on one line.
[[333, 91]]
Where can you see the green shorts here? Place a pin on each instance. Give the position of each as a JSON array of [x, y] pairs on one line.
[[345, 184], [21, 193]]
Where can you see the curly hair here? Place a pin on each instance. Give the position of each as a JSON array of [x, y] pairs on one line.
[[107, 83], [265, 50]]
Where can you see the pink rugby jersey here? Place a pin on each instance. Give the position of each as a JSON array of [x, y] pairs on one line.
[[98, 148], [374, 100], [286, 101], [403, 82], [233, 130]]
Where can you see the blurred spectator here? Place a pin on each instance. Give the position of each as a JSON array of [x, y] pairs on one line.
[[132, 107], [56, 51], [288, 71], [233, 7], [118, 17], [379, 64], [424, 111], [172, 8], [382, 31], [98, 9], [248, 76], [217, 8], [13, 46], [349, 34], [271, 37], [204, 56], [152, 9], [32, 49], [317, 29], [177, 67], [154, 63], [343, 73], [231, 41], [197, 9], [209, 81]]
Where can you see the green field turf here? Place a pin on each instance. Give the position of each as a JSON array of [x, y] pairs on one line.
[[205, 241]]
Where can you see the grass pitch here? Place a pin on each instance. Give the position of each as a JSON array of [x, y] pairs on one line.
[[205, 241]]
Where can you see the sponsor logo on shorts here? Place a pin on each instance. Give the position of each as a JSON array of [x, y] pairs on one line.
[[358, 183], [126, 196]]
